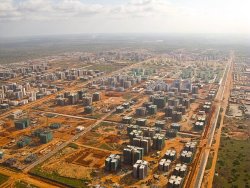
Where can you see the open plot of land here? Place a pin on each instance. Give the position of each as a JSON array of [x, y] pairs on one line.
[[233, 157], [234, 110], [3, 178], [105, 136], [233, 163], [238, 129], [88, 157], [39, 121], [72, 167], [23, 184], [108, 68], [117, 117], [108, 101]]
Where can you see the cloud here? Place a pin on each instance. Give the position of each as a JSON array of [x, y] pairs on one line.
[[145, 8], [46, 9], [65, 9], [79, 16]]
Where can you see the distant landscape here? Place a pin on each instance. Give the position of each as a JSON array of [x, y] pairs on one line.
[[27, 48]]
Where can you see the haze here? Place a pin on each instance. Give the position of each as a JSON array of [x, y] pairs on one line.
[[52, 17]]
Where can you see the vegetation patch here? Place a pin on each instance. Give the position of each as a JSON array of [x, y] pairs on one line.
[[73, 145], [3, 178], [209, 162], [106, 146], [70, 182], [105, 124], [233, 164], [22, 184], [108, 130]]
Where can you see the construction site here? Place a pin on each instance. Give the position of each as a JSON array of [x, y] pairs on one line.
[[147, 124], [25, 144]]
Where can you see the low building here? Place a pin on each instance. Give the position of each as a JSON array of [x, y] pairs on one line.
[[131, 128], [141, 111], [127, 120], [176, 126], [119, 109], [152, 109], [80, 128], [55, 125], [171, 133], [141, 122], [46, 136], [160, 124], [24, 141], [22, 123], [88, 109]]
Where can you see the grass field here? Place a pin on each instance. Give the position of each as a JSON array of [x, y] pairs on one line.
[[71, 182], [22, 184], [233, 164], [3, 178]]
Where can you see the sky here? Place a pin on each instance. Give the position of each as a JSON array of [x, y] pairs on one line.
[[53, 17]]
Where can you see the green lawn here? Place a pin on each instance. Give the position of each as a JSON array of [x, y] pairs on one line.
[[3, 178], [233, 164]]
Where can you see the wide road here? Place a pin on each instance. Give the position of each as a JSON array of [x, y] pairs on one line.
[[218, 100]]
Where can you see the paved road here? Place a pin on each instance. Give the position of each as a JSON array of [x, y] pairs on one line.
[[219, 98]]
